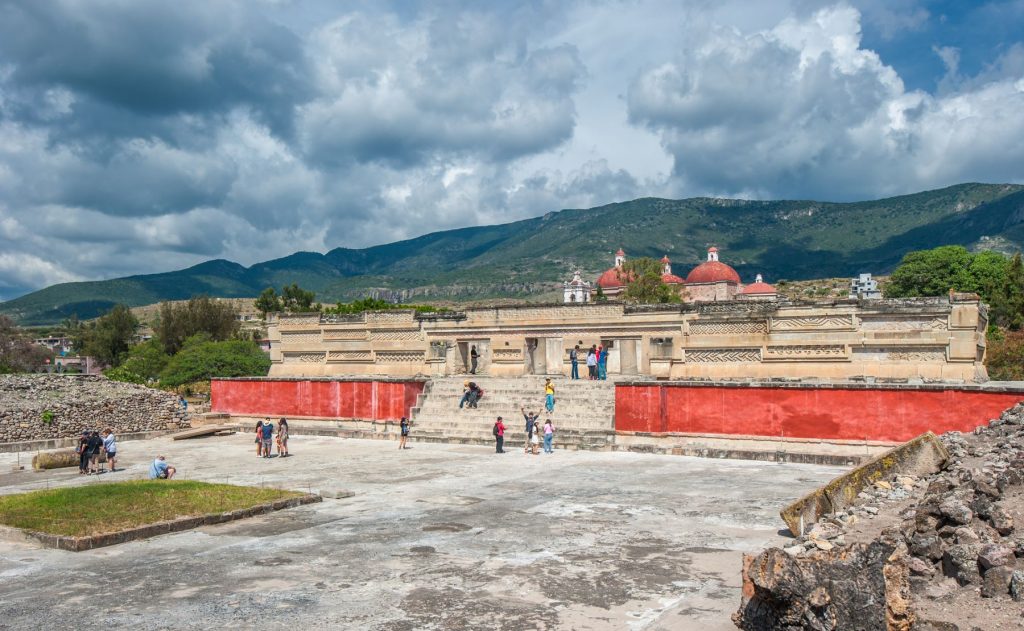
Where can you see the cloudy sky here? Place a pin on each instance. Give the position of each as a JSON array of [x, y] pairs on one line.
[[140, 136]]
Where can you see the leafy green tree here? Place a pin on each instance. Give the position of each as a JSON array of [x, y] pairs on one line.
[[201, 359], [268, 302], [644, 285], [17, 351], [599, 295], [1008, 300], [201, 314], [295, 299], [109, 337], [376, 304], [931, 273], [143, 364]]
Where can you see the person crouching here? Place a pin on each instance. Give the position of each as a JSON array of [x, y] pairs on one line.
[[160, 470]]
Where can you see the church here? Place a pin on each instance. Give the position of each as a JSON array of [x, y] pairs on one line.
[[710, 281]]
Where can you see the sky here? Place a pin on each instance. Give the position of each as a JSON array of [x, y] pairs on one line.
[[139, 136]]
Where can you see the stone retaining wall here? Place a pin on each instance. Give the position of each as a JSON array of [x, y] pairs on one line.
[[78, 402]]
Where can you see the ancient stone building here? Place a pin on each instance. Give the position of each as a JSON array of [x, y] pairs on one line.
[[926, 338]]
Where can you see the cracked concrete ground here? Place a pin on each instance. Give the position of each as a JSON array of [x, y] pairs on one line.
[[436, 537]]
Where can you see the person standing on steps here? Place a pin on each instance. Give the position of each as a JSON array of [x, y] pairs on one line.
[[549, 395], [602, 364], [549, 435], [473, 358], [574, 357], [592, 363], [499, 436]]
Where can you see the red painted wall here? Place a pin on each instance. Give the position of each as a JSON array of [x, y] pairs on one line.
[[367, 400], [837, 413]]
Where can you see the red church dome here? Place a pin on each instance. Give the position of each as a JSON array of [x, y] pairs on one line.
[[610, 279], [713, 271], [671, 279], [758, 287]]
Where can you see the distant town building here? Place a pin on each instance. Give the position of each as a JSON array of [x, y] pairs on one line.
[[863, 287], [58, 344], [576, 290], [711, 280]]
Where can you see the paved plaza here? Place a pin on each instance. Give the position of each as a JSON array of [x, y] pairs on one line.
[[436, 537]]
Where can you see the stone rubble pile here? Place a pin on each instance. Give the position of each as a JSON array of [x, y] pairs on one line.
[[955, 530], [34, 407]]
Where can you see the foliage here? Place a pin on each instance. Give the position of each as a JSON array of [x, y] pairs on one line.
[[293, 299], [1004, 358], [644, 285], [998, 280], [17, 351], [46, 417], [109, 338], [146, 360], [376, 304], [201, 314], [120, 373], [202, 359], [599, 295], [98, 508], [268, 302]]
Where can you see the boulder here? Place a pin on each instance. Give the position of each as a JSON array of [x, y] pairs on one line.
[[956, 511], [996, 582], [995, 555], [1001, 519], [960, 562], [1017, 586]]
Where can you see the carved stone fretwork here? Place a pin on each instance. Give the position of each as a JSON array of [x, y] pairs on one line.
[[298, 338], [394, 335], [741, 327], [901, 353], [349, 356], [812, 323], [340, 336], [506, 354], [719, 355], [510, 315], [805, 352], [390, 316], [886, 322], [342, 318], [298, 318], [304, 358], [400, 357], [749, 308]]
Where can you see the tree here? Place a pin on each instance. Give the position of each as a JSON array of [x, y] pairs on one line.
[[17, 351], [295, 299], [268, 302], [642, 278], [201, 314], [143, 364], [599, 295], [1008, 300], [201, 359], [931, 273], [109, 337]]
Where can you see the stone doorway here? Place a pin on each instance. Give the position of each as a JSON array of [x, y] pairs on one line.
[[544, 356]]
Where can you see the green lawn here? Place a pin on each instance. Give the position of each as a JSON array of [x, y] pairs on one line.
[[104, 508]]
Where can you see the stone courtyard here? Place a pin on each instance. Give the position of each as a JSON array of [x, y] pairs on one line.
[[436, 537]]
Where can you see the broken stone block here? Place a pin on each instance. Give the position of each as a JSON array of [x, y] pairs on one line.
[[920, 567], [926, 546], [960, 562], [1017, 586], [956, 511], [1001, 520], [995, 555], [996, 582]]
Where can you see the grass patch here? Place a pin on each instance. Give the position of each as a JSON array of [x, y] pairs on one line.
[[96, 509]]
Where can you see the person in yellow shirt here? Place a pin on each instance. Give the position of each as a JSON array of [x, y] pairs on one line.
[[549, 395]]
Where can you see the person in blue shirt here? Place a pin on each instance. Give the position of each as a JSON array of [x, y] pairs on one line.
[[160, 470], [268, 437]]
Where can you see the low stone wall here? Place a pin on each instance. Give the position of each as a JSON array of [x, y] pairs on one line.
[[40, 407]]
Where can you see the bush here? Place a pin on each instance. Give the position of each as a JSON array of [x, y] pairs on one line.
[[201, 360], [1005, 358], [124, 374]]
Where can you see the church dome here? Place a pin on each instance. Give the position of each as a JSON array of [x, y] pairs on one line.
[[758, 288], [610, 279], [712, 271], [671, 279]]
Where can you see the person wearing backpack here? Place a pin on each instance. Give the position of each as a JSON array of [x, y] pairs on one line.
[[574, 357], [499, 436]]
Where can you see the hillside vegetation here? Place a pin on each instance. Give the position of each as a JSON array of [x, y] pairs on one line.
[[793, 240]]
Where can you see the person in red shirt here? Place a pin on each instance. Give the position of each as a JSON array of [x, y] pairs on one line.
[[499, 436]]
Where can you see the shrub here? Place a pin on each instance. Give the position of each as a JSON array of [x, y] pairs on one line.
[[1005, 358], [201, 360]]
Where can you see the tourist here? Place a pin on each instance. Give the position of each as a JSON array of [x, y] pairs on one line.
[[531, 419], [465, 394], [473, 357], [602, 364], [574, 357], [591, 363], [282, 438], [535, 437], [268, 437], [259, 438], [160, 470], [475, 394], [549, 435], [405, 433], [83, 453], [549, 395], [94, 445], [499, 436], [110, 447]]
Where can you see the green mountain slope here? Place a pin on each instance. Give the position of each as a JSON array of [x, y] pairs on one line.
[[780, 239]]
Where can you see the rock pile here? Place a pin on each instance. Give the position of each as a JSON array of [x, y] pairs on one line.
[[36, 407], [955, 541]]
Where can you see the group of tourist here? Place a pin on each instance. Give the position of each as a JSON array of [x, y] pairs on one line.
[[596, 360], [534, 431], [265, 438], [91, 446]]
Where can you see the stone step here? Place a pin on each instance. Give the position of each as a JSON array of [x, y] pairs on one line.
[[452, 426]]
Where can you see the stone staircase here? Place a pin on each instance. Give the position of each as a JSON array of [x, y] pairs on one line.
[[583, 417]]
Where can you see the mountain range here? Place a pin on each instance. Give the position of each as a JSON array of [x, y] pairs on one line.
[[786, 239]]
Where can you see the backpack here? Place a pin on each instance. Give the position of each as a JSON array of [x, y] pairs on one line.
[[495, 428]]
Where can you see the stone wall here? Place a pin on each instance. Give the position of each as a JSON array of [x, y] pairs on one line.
[[929, 339], [81, 402]]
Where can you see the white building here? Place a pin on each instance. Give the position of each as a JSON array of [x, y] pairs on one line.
[[865, 288], [576, 290]]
